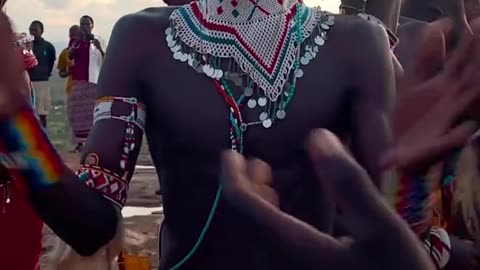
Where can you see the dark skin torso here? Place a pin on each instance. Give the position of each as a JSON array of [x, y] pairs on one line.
[[187, 127]]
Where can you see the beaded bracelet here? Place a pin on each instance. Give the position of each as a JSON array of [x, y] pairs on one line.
[[437, 243], [412, 198], [26, 148]]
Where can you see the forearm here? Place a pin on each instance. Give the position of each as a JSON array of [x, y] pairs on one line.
[[78, 214]]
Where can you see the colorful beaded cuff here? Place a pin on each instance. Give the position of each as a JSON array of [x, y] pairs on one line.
[[437, 243], [412, 198], [108, 183], [26, 148]]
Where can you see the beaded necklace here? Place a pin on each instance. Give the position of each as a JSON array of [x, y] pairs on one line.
[[237, 124], [202, 42]]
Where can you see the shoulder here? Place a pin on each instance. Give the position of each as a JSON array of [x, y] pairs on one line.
[[49, 44], [64, 52], [358, 31], [144, 22], [358, 43], [140, 33]]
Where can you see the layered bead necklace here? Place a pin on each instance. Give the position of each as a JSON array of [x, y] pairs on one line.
[[258, 45]]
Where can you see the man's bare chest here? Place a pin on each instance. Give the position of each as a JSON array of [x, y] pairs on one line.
[[187, 109]]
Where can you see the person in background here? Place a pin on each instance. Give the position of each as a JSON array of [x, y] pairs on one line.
[[87, 52], [65, 64], [46, 56]]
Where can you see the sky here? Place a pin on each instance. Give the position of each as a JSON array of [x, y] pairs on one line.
[[59, 15]]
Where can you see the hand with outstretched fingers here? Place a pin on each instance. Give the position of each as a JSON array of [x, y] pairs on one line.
[[436, 96], [379, 238]]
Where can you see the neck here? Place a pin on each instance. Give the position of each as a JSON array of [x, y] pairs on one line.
[[387, 11], [352, 7]]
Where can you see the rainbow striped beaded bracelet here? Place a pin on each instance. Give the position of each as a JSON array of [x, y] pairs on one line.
[[25, 147]]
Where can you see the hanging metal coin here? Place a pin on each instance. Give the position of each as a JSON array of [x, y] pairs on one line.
[[262, 101], [252, 103], [281, 114], [319, 41], [299, 73], [248, 92], [263, 116], [267, 123]]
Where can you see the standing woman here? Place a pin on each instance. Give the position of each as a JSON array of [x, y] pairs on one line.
[[20, 227], [87, 52]]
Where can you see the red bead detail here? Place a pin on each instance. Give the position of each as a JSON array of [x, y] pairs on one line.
[[234, 3], [219, 10]]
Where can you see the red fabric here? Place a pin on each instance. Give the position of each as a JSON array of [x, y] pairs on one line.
[[20, 232], [82, 61], [29, 60]]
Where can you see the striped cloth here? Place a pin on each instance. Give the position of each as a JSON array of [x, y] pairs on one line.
[[80, 105]]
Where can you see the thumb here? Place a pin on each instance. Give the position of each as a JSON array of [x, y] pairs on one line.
[[350, 183], [259, 172], [233, 167]]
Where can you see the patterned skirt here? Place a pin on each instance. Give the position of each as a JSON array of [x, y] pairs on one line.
[[80, 106]]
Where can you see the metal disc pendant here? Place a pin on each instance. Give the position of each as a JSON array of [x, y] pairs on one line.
[[248, 92], [299, 73], [176, 48], [252, 103], [183, 57], [176, 55], [218, 74], [319, 41], [304, 60], [237, 81], [243, 127], [267, 123], [208, 70], [262, 101], [281, 114], [263, 116]]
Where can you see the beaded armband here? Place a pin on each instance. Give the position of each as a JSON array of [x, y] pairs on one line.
[[25, 148], [103, 111], [136, 117], [437, 243], [412, 198], [111, 185], [114, 186]]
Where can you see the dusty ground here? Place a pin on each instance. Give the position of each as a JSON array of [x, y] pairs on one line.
[[141, 234]]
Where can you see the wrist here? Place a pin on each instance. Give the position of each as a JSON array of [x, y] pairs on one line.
[[25, 148], [411, 197]]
